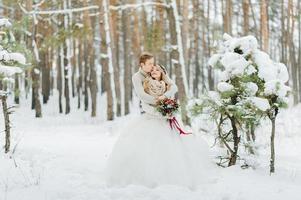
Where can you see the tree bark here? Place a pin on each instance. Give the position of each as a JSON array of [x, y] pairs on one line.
[[246, 9], [272, 160], [5, 110], [264, 29], [176, 64], [105, 59], [126, 27]]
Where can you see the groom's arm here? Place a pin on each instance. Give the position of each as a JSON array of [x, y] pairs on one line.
[[172, 90], [143, 96]]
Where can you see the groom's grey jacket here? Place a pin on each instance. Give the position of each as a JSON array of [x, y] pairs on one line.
[[146, 99]]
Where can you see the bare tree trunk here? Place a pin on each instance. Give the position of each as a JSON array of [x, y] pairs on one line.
[[185, 34], [86, 75], [35, 74], [283, 35], [264, 29], [292, 52], [196, 16], [66, 81], [272, 160], [17, 89], [66, 63], [208, 52], [236, 140], [59, 78], [127, 64], [115, 23], [227, 16], [105, 60], [80, 73], [45, 77], [299, 47], [176, 64], [6, 112], [246, 9], [90, 62]]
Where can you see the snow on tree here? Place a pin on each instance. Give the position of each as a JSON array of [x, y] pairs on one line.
[[10, 64], [251, 86]]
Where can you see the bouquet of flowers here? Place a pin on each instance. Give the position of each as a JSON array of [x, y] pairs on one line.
[[167, 107]]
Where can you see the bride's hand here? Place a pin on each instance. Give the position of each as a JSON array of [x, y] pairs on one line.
[[161, 97]]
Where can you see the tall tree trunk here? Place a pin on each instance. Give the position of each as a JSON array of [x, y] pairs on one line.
[[227, 16], [196, 16], [17, 89], [90, 60], [264, 28], [80, 72], [177, 59], [86, 75], [246, 9], [45, 77], [115, 26], [272, 159], [6, 112], [59, 78], [185, 35], [292, 52], [106, 60], [299, 48], [67, 64], [208, 52], [236, 139], [126, 22], [66, 80]]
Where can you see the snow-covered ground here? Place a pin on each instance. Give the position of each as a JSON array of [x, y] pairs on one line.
[[61, 157]]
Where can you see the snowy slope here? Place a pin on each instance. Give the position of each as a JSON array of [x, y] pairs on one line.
[[62, 157]]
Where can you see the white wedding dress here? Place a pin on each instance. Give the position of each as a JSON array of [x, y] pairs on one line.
[[149, 153]]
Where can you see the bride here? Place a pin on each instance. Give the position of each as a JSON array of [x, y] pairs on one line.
[[149, 152]]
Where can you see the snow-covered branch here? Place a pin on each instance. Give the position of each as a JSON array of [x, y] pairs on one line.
[[135, 6], [64, 11]]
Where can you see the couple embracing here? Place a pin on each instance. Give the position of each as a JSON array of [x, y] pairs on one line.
[[149, 151]]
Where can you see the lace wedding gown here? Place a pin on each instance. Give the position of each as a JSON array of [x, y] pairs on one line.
[[148, 152]]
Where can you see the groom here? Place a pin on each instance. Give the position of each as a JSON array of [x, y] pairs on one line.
[[146, 63]]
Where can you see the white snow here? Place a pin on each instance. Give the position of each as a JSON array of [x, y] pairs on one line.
[[251, 88], [260, 103], [229, 58], [282, 72], [62, 157], [224, 87], [214, 59], [5, 22], [247, 44], [215, 96], [276, 87], [250, 69], [18, 57], [36, 71], [235, 64], [274, 74], [9, 70]]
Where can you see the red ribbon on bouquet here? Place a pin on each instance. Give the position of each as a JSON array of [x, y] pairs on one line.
[[173, 122]]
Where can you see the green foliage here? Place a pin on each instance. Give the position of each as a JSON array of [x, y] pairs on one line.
[[154, 38], [62, 34]]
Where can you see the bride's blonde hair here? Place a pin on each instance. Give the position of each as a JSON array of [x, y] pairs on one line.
[[163, 78]]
